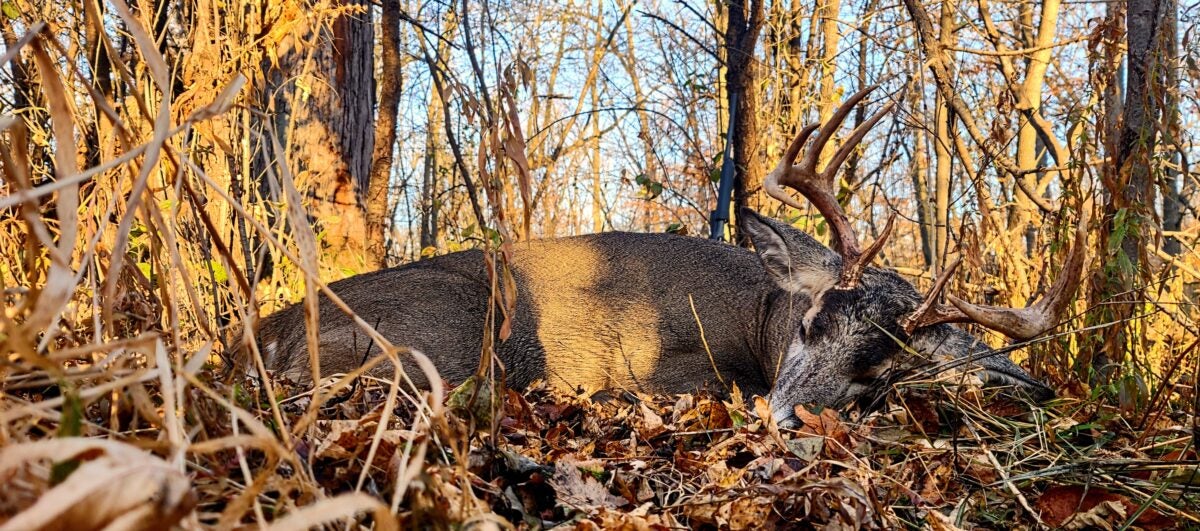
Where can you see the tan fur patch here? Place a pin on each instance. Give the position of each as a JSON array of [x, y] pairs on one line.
[[589, 341]]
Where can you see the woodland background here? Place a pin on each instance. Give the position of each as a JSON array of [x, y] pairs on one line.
[[174, 170]]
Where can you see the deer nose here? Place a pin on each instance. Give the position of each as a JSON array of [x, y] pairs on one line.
[[785, 417]]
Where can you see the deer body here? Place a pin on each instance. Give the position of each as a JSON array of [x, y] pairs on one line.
[[612, 311], [799, 322], [600, 311]]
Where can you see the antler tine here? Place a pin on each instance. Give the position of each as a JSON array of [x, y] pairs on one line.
[[827, 130], [930, 312], [1047, 312], [856, 136], [853, 266], [781, 175]]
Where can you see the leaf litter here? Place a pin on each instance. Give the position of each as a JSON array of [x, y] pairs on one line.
[[931, 457]]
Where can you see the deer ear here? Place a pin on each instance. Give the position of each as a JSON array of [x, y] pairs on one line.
[[793, 259]]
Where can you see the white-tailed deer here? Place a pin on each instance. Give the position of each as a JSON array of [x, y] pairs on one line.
[[795, 321]]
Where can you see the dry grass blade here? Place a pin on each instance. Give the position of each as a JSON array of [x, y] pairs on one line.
[[331, 510], [152, 494], [60, 283]]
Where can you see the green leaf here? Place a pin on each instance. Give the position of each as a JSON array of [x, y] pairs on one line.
[[715, 176], [10, 10], [219, 273]]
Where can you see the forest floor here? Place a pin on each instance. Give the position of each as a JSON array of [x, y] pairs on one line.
[[932, 456]]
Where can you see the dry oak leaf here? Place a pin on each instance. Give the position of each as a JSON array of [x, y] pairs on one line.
[[826, 424], [652, 424], [152, 493], [579, 491]]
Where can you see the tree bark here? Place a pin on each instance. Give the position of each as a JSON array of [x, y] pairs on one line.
[[941, 149], [1129, 185], [329, 127], [390, 83], [827, 101], [1172, 201], [1030, 93], [741, 38], [920, 180], [1139, 133]]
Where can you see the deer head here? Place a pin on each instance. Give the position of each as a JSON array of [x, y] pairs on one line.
[[861, 321]]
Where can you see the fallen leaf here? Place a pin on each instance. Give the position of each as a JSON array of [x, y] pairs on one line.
[[579, 491], [152, 493]]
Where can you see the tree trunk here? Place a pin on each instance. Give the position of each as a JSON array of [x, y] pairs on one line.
[[1030, 93], [390, 83], [741, 38], [330, 132], [827, 100], [436, 166], [1172, 202], [1139, 133], [941, 149], [1128, 215], [920, 179]]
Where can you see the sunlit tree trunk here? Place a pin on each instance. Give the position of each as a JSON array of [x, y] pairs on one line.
[[827, 101], [920, 181], [390, 83], [436, 167], [1030, 91], [329, 127], [941, 150]]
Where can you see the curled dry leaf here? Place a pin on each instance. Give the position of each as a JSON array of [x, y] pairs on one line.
[[153, 494], [652, 423]]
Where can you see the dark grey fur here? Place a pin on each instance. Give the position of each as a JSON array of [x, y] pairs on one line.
[[611, 311]]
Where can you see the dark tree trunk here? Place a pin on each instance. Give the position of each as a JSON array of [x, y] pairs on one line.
[[741, 38], [101, 69], [1172, 201], [1129, 216], [385, 134]]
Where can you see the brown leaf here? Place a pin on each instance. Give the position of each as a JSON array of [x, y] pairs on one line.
[[749, 513], [826, 424], [763, 410], [651, 423], [580, 491], [1061, 504]]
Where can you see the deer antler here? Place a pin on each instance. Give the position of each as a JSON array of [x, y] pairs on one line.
[[818, 186], [930, 312], [1021, 324]]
